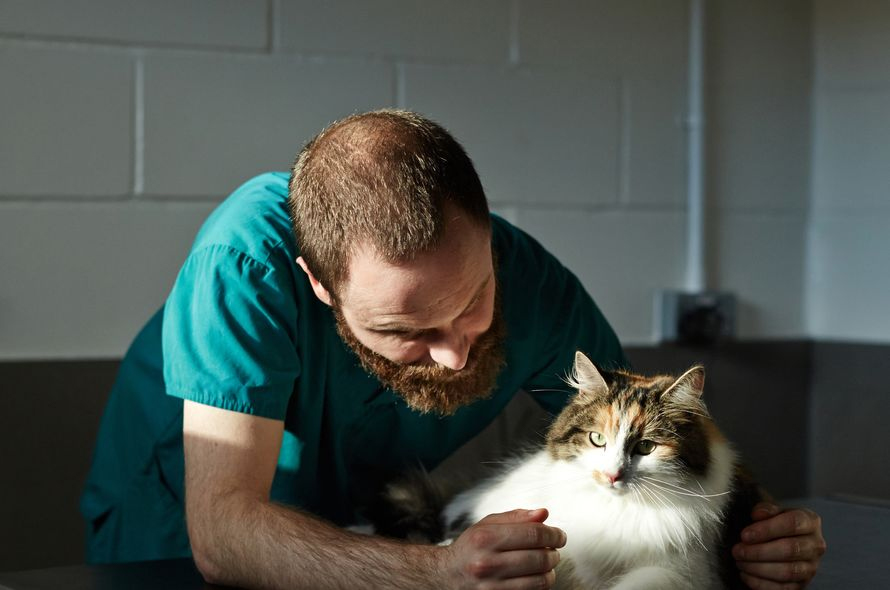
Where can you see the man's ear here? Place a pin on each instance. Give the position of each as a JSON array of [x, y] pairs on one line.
[[323, 295]]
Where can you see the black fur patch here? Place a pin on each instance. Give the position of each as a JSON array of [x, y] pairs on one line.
[[745, 494], [411, 509]]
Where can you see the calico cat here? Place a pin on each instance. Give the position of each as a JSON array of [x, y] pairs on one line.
[[636, 473]]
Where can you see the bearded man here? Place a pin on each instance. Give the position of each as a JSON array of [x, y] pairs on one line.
[[330, 329]]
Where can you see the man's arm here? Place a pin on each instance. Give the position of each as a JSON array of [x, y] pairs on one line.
[[240, 538]]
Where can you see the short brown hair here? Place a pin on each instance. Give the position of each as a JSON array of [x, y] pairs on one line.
[[382, 178]]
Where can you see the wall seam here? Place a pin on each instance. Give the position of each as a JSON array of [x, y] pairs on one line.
[[139, 125], [514, 55]]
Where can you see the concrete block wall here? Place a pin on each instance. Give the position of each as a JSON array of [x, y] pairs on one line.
[[849, 238], [848, 262], [125, 122], [759, 148]]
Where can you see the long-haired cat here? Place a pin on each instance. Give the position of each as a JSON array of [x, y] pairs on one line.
[[640, 479]]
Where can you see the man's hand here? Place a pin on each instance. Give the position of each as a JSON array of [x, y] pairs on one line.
[[511, 551], [780, 549]]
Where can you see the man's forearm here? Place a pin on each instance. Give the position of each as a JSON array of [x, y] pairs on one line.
[[255, 544]]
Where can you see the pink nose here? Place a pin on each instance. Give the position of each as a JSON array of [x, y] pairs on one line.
[[613, 477]]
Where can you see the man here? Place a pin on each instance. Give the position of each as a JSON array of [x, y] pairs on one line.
[[324, 335]]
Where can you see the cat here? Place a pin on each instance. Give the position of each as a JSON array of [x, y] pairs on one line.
[[634, 470]]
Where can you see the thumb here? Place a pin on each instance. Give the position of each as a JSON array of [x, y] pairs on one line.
[[518, 515], [764, 510]]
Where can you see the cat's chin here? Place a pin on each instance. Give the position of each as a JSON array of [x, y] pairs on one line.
[[616, 489]]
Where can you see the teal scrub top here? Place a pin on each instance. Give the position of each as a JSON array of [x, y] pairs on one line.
[[242, 330]]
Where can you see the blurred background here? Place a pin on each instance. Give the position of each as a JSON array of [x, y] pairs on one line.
[[124, 122]]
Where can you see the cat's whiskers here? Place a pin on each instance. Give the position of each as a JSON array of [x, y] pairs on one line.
[[679, 490], [635, 488], [703, 493], [700, 413], [669, 505], [664, 482], [665, 429], [678, 493]]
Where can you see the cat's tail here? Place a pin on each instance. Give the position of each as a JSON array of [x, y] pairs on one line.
[[411, 507]]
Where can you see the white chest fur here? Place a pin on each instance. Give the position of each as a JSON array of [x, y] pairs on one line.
[[650, 535]]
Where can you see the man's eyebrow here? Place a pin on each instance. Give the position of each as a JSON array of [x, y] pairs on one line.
[[478, 294], [398, 327]]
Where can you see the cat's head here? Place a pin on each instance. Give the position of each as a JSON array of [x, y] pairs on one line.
[[625, 428]]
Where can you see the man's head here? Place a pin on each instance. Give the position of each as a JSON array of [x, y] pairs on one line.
[[395, 236]]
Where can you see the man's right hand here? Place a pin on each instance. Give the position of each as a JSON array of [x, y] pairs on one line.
[[510, 551]]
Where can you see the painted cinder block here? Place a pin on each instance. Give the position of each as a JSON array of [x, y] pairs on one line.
[[656, 137], [213, 121], [239, 24], [541, 136], [758, 147], [67, 123], [760, 257], [758, 82], [621, 257], [457, 30], [80, 279], [851, 156], [611, 37], [852, 44], [849, 276], [849, 241], [759, 42]]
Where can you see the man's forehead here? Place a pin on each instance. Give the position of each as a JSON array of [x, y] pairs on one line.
[[377, 290]]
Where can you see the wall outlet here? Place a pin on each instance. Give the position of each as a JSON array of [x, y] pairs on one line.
[[701, 318]]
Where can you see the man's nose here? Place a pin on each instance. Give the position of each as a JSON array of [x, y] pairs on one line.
[[451, 350]]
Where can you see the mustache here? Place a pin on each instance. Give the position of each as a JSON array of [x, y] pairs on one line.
[[432, 387]]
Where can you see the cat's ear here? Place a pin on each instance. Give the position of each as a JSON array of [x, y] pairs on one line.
[[587, 378], [690, 384]]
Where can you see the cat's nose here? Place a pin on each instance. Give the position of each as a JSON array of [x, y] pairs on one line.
[[617, 476]]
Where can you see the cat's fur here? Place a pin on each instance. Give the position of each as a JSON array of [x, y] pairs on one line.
[[665, 522]]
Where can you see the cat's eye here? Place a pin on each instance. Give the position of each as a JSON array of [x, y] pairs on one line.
[[598, 439], [644, 447]]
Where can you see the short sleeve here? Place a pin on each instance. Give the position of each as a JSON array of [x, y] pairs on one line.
[[229, 333]]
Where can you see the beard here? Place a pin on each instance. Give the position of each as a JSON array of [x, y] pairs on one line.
[[434, 388]]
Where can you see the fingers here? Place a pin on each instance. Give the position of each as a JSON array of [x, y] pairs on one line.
[[514, 564], [536, 582], [508, 550], [509, 537], [537, 515], [780, 572], [780, 550], [764, 510], [795, 522], [761, 584], [801, 548]]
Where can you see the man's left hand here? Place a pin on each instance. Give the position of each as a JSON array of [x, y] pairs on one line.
[[780, 549]]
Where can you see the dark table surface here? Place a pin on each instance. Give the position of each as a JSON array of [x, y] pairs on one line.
[[857, 532], [858, 557], [173, 574]]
